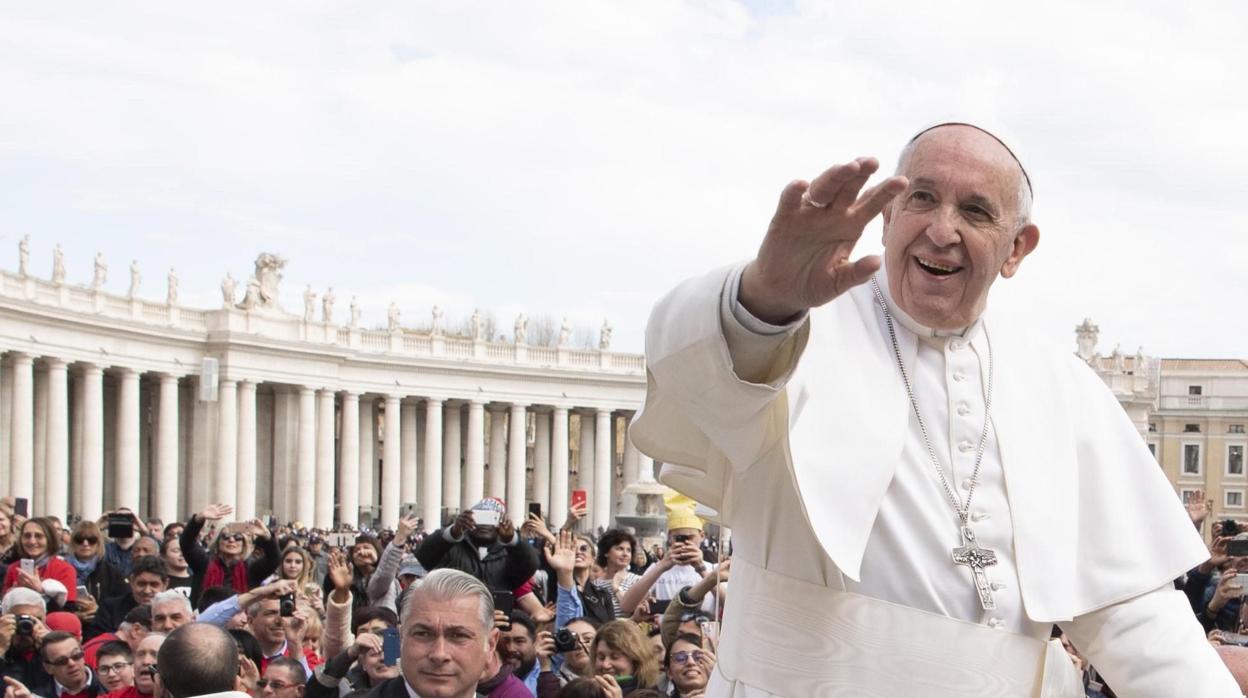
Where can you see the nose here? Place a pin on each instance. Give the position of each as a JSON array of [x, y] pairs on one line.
[[942, 227]]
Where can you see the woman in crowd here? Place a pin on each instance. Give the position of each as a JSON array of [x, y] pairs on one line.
[[297, 565], [615, 557], [230, 562], [362, 666], [364, 556], [571, 558], [102, 580], [175, 562], [8, 541], [620, 650], [40, 544]]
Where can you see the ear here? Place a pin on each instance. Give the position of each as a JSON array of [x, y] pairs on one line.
[[491, 640], [1024, 242]]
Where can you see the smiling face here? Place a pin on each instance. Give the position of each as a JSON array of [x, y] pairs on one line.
[[621, 555], [364, 557], [34, 540], [116, 671], [584, 553], [145, 585], [445, 648], [609, 660], [684, 669], [955, 228], [231, 542]]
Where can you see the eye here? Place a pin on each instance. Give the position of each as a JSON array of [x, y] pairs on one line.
[[977, 211]]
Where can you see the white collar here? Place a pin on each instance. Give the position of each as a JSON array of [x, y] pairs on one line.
[[919, 329]]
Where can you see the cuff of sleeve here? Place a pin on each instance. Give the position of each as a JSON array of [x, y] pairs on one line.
[[446, 535], [736, 319], [515, 538]]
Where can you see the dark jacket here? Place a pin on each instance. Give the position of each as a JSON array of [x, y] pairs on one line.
[[504, 567], [326, 682], [110, 614], [27, 668], [263, 561], [393, 688], [105, 582]]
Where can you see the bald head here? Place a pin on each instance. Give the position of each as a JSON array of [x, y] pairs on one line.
[[198, 658], [965, 134], [1236, 659]]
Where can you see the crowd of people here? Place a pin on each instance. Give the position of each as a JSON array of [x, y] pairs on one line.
[[561, 612]]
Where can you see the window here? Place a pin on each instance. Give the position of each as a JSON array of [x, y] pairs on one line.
[[1191, 459], [1152, 427], [1235, 429], [1194, 390], [1152, 448], [1234, 499], [1191, 428], [1235, 460]]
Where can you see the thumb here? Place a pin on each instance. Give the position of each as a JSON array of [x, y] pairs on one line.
[[850, 274]]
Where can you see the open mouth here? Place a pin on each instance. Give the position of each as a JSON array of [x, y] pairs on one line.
[[936, 269]]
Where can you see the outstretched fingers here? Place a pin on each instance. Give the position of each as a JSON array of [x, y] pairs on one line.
[[874, 200], [827, 187], [850, 274]]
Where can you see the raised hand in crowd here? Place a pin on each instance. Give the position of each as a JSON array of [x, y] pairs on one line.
[[407, 526], [365, 645], [501, 621], [575, 513], [535, 527], [340, 576], [282, 587], [257, 529], [462, 524], [687, 553], [545, 650], [562, 558], [1229, 587], [215, 512], [249, 673], [506, 530], [1198, 508]]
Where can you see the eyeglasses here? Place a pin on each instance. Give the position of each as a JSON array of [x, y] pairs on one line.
[[64, 661], [91, 540], [682, 657], [234, 537], [583, 549], [114, 668], [274, 684]]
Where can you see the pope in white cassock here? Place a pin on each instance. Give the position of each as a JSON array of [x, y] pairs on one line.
[[918, 490]]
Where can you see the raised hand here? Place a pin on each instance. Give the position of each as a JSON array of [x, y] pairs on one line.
[[575, 514], [257, 529], [340, 574], [535, 527], [365, 645], [407, 526], [215, 512], [804, 260], [506, 530], [463, 522], [1198, 508], [545, 649]]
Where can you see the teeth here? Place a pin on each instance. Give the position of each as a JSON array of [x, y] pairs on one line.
[[937, 267]]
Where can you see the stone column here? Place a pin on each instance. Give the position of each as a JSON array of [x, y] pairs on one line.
[[128, 440], [165, 472], [558, 511], [452, 454], [225, 489], [305, 459], [586, 472], [409, 470], [541, 460], [391, 463], [56, 481], [645, 468], [349, 461], [368, 455], [516, 471], [38, 486], [474, 459], [245, 485], [497, 486], [21, 449], [323, 515], [604, 470], [75, 443], [431, 487], [93, 442]]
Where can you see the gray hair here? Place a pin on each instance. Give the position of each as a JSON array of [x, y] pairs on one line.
[[172, 596], [1023, 197], [447, 585], [21, 596]]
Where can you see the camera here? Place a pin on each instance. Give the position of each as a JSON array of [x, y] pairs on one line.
[[25, 625], [1230, 527], [286, 605], [566, 641], [683, 538]]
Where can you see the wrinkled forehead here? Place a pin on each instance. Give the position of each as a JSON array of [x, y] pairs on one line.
[[990, 141]]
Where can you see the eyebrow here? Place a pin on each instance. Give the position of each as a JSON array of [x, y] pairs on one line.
[[447, 628], [974, 198]]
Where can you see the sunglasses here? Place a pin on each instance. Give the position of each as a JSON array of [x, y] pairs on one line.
[[275, 685], [583, 549], [64, 661], [682, 657], [86, 539], [233, 537], [113, 668]]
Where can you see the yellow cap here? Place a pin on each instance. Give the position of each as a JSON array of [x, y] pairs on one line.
[[680, 512]]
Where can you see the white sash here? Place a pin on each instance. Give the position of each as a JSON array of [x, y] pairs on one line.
[[787, 637]]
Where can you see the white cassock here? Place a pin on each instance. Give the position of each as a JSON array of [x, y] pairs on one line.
[[842, 579]]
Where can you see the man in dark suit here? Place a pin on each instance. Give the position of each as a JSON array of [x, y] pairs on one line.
[[448, 637]]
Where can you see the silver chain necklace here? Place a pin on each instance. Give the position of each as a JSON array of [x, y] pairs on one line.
[[969, 553]]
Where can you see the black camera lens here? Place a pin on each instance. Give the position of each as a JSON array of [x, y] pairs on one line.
[[565, 641], [286, 605], [25, 625]]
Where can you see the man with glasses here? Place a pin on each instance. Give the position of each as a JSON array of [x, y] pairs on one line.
[[689, 666], [148, 578], [63, 658], [283, 678], [115, 665]]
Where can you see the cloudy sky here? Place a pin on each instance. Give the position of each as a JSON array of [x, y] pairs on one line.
[[579, 158]]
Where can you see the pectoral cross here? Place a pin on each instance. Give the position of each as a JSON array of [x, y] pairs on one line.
[[977, 558]]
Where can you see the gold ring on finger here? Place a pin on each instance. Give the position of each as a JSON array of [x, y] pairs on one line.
[[812, 202]]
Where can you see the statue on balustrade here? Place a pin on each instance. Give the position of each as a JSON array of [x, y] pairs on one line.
[[604, 339], [135, 278], [172, 296], [565, 333], [522, 329], [228, 287], [262, 286], [436, 328], [355, 314], [23, 256], [309, 304], [58, 265], [392, 317], [478, 325], [100, 277], [327, 305]]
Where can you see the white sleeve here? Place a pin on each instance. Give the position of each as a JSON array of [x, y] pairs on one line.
[[753, 345], [1151, 646]]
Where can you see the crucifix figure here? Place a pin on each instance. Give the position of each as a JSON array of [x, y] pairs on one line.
[[977, 558]]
